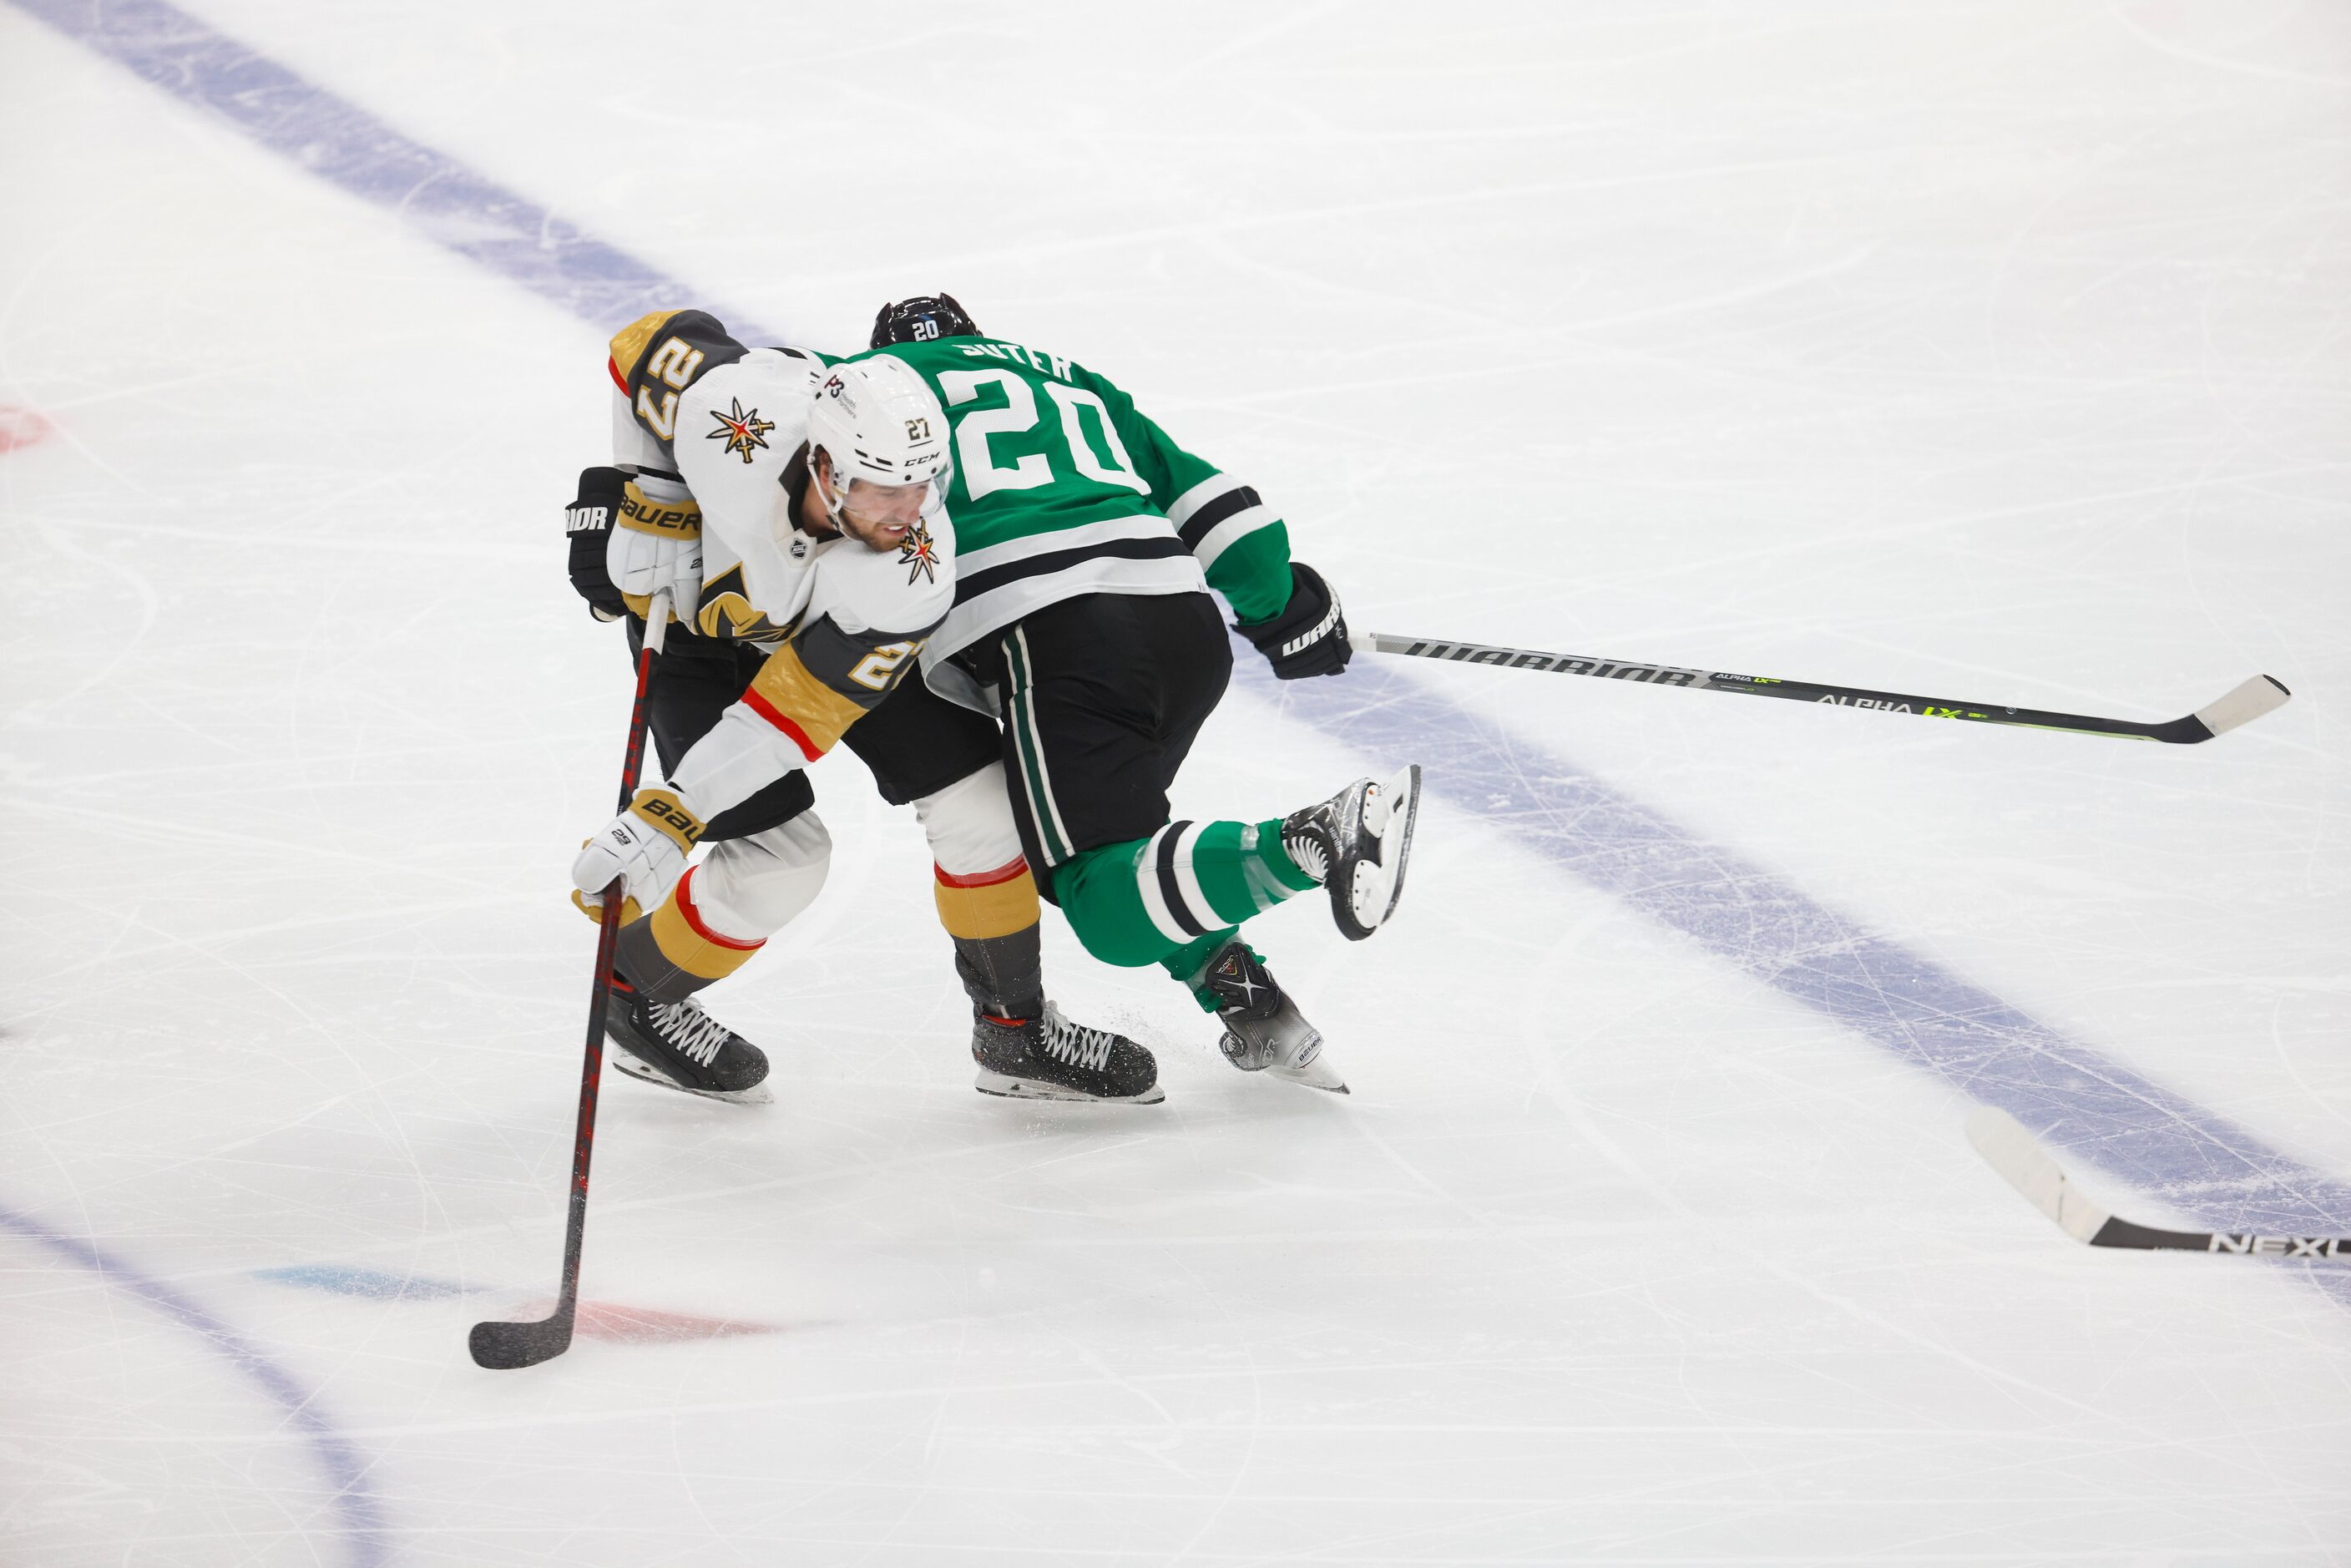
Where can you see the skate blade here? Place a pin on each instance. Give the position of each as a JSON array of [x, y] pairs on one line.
[[1316, 1074], [644, 1072], [1006, 1087], [1381, 886]]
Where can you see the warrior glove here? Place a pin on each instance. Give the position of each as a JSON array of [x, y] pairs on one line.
[[645, 847], [588, 522], [1310, 636]]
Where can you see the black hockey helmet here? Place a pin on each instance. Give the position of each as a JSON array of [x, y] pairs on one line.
[[920, 319]]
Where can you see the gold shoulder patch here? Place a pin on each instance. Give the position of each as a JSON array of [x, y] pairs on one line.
[[629, 342]]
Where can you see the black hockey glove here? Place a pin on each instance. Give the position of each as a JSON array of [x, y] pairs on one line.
[[1310, 636], [590, 523]]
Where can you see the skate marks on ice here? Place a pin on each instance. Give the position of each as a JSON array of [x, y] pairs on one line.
[[440, 198], [2061, 1090], [344, 1472], [2064, 1092], [612, 1322]]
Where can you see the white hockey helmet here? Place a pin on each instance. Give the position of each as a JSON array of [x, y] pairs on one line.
[[877, 420]]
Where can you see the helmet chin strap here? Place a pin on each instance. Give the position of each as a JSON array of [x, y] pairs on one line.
[[833, 505]]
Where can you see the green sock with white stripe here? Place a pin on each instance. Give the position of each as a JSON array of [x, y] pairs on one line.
[[1148, 900]]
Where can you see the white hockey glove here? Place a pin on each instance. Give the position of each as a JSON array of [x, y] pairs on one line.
[[645, 846], [657, 544]]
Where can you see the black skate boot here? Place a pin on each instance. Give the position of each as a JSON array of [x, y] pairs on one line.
[[679, 1046], [1049, 1058], [1356, 842], [1025, 1048], [1264, 1031]]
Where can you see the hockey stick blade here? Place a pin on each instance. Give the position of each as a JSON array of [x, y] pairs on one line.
[[504, 1346], [2012, 1150], [2263, 693], [2019, 1157], [2246, 703]]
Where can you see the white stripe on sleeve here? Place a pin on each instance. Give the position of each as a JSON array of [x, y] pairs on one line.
[[1229, 532], [1180, 510]]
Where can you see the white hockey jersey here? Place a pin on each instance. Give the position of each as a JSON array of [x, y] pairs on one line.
[[714, 436]]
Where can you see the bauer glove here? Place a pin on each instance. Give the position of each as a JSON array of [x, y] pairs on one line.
[[645, 847], [654, 544], [1310, 636], [588, 522]]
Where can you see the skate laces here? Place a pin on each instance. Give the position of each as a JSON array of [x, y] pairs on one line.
[[1075, 1043], [686, 1027]]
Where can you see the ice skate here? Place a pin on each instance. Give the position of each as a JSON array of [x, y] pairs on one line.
[[679, 1046], [1049, 1058], [1356, 843], [1264, 1031]]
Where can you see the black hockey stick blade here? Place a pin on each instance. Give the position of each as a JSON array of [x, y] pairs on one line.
[[2019, 1157], [2246, 703], [504, 1346]]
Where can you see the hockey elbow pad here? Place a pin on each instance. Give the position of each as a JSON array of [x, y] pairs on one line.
[[1310, 636], [588, 522]]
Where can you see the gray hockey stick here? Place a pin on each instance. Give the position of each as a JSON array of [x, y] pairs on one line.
[[2248, 701]]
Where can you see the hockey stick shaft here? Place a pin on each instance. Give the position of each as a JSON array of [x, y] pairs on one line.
[[2248, 701], [504, 1345], [2120, 1232], [608, 937]]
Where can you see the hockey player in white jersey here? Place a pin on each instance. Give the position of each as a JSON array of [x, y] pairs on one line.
[[787, 506]]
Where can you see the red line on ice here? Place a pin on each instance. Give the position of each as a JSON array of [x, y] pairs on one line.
[[648, 1326], [20, 427]]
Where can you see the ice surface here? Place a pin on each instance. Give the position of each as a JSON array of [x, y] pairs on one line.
[[1990, 348]]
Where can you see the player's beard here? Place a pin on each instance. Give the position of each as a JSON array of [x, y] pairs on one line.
[[872, 535]]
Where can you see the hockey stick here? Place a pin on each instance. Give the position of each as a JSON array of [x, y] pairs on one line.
[[501, 1346], [2026, 1165], [2246, 703]]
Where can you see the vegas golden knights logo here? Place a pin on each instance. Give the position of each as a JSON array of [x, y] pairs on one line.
[[742, 432], [919, 555]]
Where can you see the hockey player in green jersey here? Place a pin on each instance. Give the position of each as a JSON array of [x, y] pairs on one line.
[[1087, 542]]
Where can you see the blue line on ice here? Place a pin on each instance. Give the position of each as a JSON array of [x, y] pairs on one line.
[[1989, 1049], [2222, 1174], [360, 1515], [349, 1280], [351, 149]]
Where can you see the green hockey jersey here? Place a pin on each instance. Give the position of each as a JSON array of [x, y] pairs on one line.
[[1061, 488]]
